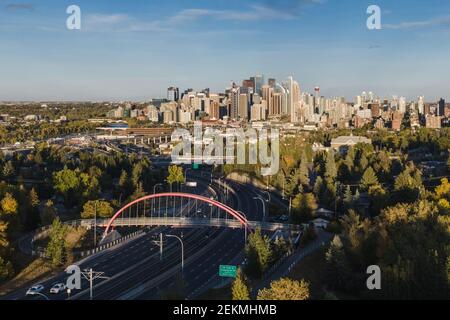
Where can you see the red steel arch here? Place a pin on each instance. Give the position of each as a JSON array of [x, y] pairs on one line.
[[218, 204]]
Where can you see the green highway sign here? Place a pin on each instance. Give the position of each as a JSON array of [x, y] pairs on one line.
[[227, 271], [195, 166]]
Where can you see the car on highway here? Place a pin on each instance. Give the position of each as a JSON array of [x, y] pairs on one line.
[[34, 290], [58, 288]]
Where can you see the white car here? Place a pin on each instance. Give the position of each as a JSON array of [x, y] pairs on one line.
[[34, 290], [57, 288]]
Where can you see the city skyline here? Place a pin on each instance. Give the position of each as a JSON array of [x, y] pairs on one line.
[[126, 52]]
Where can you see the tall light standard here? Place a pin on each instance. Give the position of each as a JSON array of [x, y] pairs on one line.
[[153, 202], [268, 196], [182, 250], [245, 227], [95, 223], [264, 206]]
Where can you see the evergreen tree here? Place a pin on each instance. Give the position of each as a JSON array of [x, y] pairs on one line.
[[56, 248], [368, 179], [258, 253], [239, 289], [330, 167], [304, 171]]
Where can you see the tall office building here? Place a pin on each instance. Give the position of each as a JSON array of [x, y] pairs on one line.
[[272, 82], [214, 110], [402, 104], [293, 98], [173, 94], [421, 105], [267, 95], [276, 104], [258, 82], [441, 108], [243, 106], [234, 102]]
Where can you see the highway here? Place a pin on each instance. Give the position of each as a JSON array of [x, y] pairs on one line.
[[135, 270]]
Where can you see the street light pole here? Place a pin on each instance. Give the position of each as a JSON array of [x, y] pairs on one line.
[[264, 206], [182, 250], [95, 223], [153, 200], [245, 227]]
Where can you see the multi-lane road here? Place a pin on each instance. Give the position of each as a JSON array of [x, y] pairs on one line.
[[135, 269]]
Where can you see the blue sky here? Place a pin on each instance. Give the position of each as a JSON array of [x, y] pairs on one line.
[[136, 49]]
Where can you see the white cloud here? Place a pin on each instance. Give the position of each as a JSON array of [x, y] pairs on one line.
[[419, 24], [123, 22]]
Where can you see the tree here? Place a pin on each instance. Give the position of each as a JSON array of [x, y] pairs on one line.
[[103, 208], [8, 169], [175, 175], [442, 195], [258, 253], [318, 185], [3, 236], [338, 270], [369, 179], [9, 204], [303, 174], [6, 269], [348, 197], [285, 289], [48, 213], [29, 210], [125, 184], [407, 186], [239, 289], [56, 248], [304, 207], [33, 198], [330, 167]]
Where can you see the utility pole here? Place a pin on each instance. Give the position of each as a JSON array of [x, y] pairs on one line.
[[90, 276]]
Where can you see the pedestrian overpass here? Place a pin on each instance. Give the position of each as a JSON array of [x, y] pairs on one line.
[[145, 212]]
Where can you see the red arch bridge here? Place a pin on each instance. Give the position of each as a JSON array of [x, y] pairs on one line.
[[177, 211]]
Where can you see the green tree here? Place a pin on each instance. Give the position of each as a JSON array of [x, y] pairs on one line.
[[285, 289], [239, 289], [68, 184], [369, 179], [304, 207], [304, 171], [338, 270], [258, 253], [175, 175], [56, 248], [330, 167], [48, 214], [125, 184], [103, 208]]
